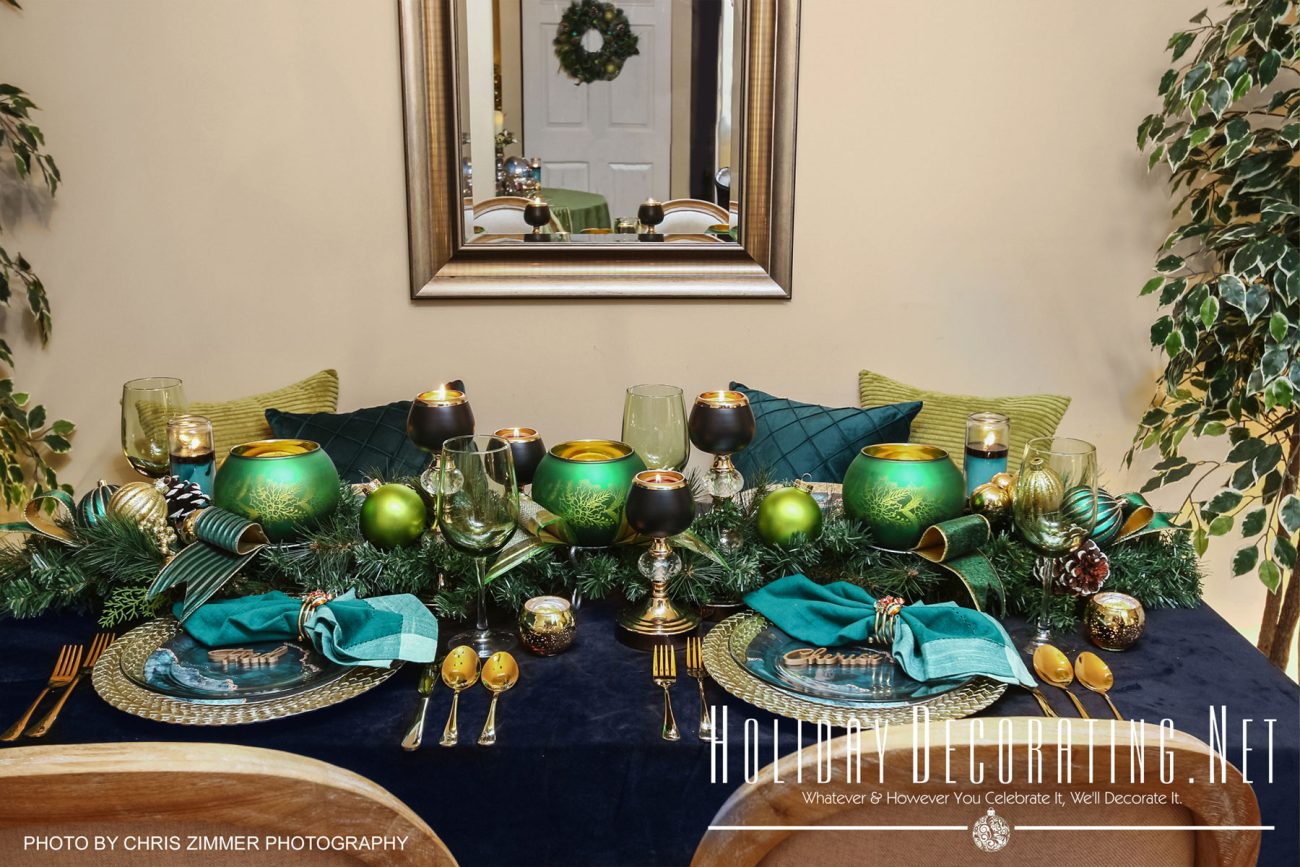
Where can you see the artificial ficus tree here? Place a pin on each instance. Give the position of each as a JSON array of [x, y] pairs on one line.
[[1228, 283], [27, 436]]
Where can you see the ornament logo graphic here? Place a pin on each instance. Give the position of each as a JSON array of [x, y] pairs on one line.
[[990, 833]]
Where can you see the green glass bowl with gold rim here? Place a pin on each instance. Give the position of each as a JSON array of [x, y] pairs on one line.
[[897, 490], [585, 483], [280, 484]]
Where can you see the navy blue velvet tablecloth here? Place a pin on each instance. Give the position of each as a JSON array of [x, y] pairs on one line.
[[582, 772]]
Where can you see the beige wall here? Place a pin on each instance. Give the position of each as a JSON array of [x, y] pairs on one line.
[[971, 215]]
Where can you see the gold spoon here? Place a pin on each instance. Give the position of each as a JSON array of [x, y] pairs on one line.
[[459, 671], [1053, 667], [500, 673], [1095, 674]]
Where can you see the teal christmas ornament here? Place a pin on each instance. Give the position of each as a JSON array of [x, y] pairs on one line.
[[1110, 512], [787, 512], [92, 508]]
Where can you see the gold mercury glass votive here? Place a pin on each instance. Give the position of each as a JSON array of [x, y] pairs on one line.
[[547, 625], [1114, 621]]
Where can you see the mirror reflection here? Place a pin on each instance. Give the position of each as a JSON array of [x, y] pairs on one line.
[[590, 122]]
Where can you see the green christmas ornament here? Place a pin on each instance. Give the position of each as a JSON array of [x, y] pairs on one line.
[[393, 516], [1110, 513], [789, 511]]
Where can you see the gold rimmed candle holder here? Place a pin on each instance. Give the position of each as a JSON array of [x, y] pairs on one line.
[[722, 423], [436, 416], [528, 449], [660, 505]]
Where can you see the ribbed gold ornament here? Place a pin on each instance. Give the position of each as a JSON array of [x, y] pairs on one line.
[[1039, 488], [140, 502]]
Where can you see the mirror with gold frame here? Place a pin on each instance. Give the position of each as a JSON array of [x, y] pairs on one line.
[[659, 134]]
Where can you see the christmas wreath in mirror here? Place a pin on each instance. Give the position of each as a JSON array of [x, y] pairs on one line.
[[617, 42]]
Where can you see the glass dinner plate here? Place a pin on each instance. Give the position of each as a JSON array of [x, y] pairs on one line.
[[864, 675], [185, 670]]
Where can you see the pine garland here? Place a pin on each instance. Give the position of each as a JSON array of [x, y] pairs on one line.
[[115, 563]]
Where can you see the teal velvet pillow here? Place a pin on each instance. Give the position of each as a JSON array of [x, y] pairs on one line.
[[795, 439], [362, 444]]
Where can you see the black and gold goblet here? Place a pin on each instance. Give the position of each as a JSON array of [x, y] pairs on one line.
[[537, 213], [436, 416], [722, 423], [660, 505], [650, 214], [528, 449]]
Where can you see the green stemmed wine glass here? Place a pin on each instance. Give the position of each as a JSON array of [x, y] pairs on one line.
[[1053, 466], [478, 509]]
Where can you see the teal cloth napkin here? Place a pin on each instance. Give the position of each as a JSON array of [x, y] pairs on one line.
[[350, 631], [931, 642]]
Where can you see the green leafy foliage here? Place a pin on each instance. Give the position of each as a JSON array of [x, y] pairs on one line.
[[1230, 311], [27, 437]]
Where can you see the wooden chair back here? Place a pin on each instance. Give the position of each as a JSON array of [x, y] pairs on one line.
[[780, 808], [211, 792]]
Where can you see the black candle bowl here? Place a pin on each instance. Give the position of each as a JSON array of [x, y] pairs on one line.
[[660, 504], [528, 449], [721, 422], [438, 415]]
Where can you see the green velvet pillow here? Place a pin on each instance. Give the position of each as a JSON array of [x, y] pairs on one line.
[[942, 422], [795, 439]]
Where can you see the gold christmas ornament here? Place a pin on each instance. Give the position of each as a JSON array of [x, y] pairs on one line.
[[1005, 481], [992, 501], [1039, 488], [139, 502]]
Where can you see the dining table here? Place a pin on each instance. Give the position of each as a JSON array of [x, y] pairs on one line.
[[577, 209], [580, 770]]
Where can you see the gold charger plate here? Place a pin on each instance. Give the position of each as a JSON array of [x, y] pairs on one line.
[[969, 698], [121, 692]]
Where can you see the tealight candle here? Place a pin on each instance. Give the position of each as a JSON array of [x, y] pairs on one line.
[[987, 445], [190, 449]]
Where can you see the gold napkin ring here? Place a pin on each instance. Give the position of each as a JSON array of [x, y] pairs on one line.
[[310, 602], [887, 608]]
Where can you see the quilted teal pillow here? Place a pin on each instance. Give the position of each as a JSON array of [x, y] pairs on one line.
[[794, 439], [362, 444]]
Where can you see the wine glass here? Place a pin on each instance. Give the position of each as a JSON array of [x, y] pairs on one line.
[[147, 405], [478, 509], [654, 424], [1052, 468]]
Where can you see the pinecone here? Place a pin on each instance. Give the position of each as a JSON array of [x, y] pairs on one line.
[[182, 497], [1083, 570]]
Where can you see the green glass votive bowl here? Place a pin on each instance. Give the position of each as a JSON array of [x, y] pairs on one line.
[[897, 490], [280, 484], [585, 483]]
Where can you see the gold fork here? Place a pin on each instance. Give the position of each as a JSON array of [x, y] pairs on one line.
[[665, 674], [97, 647], [695, 668], [65, 669]]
